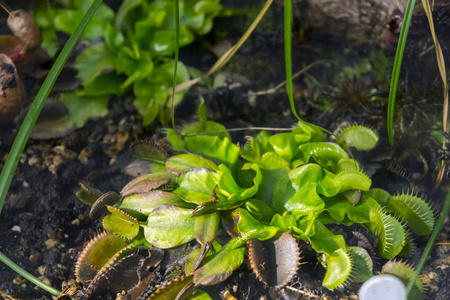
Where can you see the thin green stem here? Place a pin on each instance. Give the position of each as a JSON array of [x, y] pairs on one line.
[[27, 275], [437, 229], [177, 50], [396, 69], [27, 125], [287, 53]]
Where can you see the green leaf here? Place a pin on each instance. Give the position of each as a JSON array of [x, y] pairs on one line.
[[192, 258], [296, 192], [286, 144], [196, 185], [359, 213], [332, 184], [123, 11], [137, 66], [251, 151], [182, 162], [324, 240], [260, 210], [325, 154], [169, 226], [221, 151], [272, 161], [206, 227], [148, 108], [230, 190], [251, 229], [103, 84], [93, 61], [212, 128], [380, 195], [175, 140], [221, 266], [163, 42], [82, 108], [141, 205], [163, 73], [114, 39], [270, 179], [66, 20], [339, 266], [284, 221]]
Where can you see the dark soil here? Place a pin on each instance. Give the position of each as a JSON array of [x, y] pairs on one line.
[[43, 226]]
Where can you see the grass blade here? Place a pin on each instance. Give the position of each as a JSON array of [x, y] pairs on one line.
[[27, 125], [28, 276], [396, 69], [177, 50], [288, 53]]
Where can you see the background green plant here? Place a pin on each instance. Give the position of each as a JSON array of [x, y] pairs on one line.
[[134, 54]]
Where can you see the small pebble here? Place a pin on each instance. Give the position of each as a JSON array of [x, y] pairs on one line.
[[25, 184], [433, 275], [16, 228], [42, 269], [34, 257], [83, 159], [51, 243], [33, 160]]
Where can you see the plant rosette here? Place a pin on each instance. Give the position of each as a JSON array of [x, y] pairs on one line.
[[267, 194]]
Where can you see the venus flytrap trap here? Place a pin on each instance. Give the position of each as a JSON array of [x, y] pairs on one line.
[[268, 193]]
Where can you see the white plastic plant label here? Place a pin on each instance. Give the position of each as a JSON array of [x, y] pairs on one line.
[[383, 287]]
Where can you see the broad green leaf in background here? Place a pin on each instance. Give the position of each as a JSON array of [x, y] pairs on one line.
[[82, 108]]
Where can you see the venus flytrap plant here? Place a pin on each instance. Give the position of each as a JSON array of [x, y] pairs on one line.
[[273, 190]]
